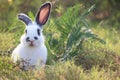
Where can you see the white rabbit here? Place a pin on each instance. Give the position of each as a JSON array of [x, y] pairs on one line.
[[32, 50]]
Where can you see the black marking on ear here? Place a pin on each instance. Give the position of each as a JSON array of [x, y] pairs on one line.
[[24, 18], [43, 13]]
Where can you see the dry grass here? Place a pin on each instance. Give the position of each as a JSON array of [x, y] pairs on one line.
[[97, 62]]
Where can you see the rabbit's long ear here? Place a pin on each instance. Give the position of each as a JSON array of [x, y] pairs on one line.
[[24, 18], [43, 14]]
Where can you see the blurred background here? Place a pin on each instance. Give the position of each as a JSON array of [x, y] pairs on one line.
[[105, 10]]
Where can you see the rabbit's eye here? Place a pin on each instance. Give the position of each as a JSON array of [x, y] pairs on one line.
[[38, 32], [26, 31]]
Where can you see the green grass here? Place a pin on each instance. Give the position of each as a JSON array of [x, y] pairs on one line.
[[6, 39], [97, 61]]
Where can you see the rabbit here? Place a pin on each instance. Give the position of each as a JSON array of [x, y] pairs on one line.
[[32, 51]]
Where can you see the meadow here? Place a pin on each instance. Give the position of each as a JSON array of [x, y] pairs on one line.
[[78, 48]]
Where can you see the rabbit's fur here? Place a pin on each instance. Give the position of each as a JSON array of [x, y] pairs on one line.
[[32, 49]]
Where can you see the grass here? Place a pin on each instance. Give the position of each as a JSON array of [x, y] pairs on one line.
[[97, 61], [6, 39], [111, 37]]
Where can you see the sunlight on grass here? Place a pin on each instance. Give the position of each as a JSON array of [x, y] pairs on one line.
[[6, 41], [111, 37]]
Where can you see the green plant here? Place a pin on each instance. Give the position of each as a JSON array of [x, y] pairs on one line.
[[74, 30]]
